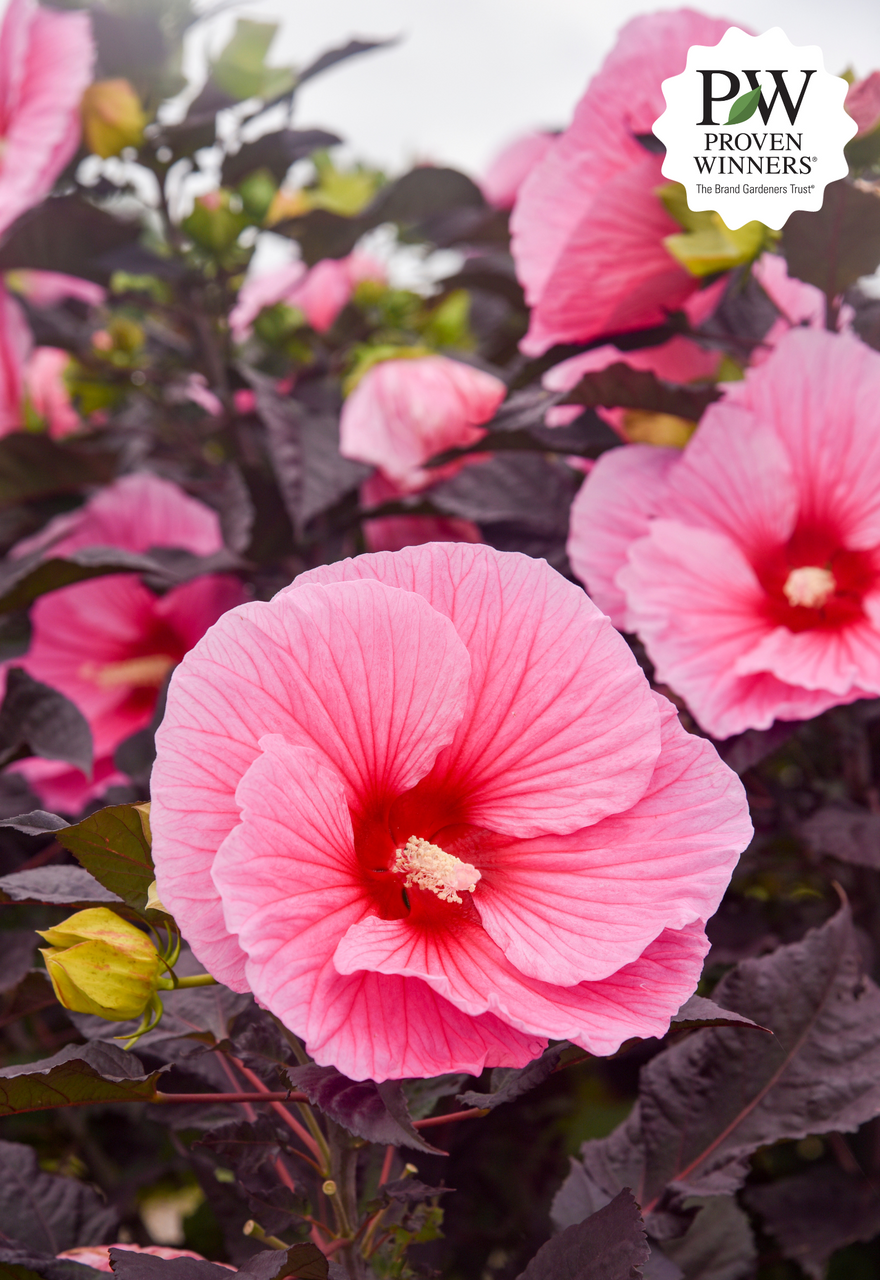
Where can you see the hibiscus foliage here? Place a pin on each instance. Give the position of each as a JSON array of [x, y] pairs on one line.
[[403, 915]]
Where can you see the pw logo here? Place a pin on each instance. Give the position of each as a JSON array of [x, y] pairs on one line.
[[752, 100]]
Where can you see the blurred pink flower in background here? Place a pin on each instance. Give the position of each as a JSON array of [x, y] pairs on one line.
[[15, 348], [404, 411], [863, 102], [48, 288], [749, 564], [45, 66], [428, 809], [108, 644], [320, 292], [393, 533], [98, 1255], [678, 360], [510, 168], [588, 225], [48, 393]]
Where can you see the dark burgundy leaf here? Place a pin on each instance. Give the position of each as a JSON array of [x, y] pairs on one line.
[[835, 245], [326, 475], [609, 1245], [708, 1102], [128, 45], [334, 56], [32, 993], [24, 579], [744, 750], [303, 1261], [15, 635], [46, 1213], [524, 489], [511, 1082], [577, 1198], [199, 126], [422, 1096], [17, 948], [744, 316], [700, 1012], [68, 234], [815, 1213], [63, 886], [143, 1266], [619, 384], [275, 152], [411, 1191], [35, 466], [373, 1111], [38, 721], [18, 1263], [718, 1245], [851, 835], [78, 1074]]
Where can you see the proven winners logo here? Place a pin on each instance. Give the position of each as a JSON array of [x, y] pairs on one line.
[[754, 128]]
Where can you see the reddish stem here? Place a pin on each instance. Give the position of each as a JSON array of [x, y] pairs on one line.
[[230, 1097], [386, 1165], [470, 1114], [302, 1133]]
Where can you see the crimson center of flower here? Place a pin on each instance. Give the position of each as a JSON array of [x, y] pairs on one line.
[[430, 867], [809, 586]]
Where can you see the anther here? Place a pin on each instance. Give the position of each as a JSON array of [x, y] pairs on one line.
[[430, 867], [809, 586]]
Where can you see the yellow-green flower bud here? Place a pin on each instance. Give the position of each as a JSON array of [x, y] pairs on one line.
[[113, 117], [101, 964]]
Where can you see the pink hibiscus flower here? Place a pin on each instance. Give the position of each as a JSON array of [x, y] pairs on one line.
[[403, 412], [48, 393], [510, 168], [320, 292], [863, 103], [108, 644], [678, 360], [588, 225], [750, 564], [15, 348], [45, 66], [426, 807]]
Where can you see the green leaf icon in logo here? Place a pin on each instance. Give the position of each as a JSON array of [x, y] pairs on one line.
[[745, 107]]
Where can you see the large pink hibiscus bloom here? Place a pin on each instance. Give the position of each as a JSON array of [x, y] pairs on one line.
[[108, 644], [319, 292], [45, 66], [750, 564], [588, 225], [427, 808]]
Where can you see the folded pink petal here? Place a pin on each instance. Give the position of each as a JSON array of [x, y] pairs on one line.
[[45, 66], [403, 412], [558, 731], [619, 883], [863, 102], [612, 509], [320, 292], [263, 291], [48, 288], [393, 533], [469, 970]]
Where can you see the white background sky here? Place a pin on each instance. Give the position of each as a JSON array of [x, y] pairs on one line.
[[469, 74]]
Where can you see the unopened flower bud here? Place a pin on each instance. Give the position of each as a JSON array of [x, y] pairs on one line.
[[113, 117], [101, 964]]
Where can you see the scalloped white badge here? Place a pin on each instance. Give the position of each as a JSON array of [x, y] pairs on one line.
[[754, 128]]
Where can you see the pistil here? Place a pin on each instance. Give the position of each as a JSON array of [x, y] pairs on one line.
[[809, 586], [428, 866]]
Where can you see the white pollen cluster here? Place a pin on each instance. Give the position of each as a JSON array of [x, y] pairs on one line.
[[809, 586], [430, 867]]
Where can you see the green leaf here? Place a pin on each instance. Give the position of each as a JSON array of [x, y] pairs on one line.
[[112, 845], [745, 107], [241, 67], [79, 1074]]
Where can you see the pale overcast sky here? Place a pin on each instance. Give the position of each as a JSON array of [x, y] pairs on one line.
[[469, 74]]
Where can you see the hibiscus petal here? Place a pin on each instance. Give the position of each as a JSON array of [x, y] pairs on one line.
[[612, 508], [372, 679], [290, 887], [844, 662], [568, 909], [736, 477], [695, 601], [467, 968], [814, 378], [560, 727]]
